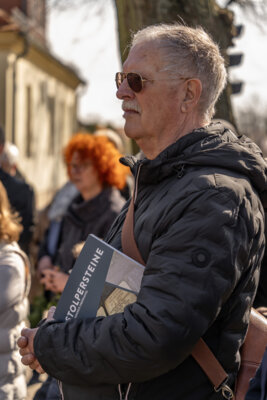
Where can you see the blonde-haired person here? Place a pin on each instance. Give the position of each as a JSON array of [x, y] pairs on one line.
[[93, 166], [14, 289]]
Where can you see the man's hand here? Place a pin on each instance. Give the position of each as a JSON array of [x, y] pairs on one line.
[[25, 343]]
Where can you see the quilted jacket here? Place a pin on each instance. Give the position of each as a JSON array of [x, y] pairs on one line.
[[199, 225]]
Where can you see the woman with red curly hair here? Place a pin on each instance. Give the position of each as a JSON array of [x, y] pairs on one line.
[[94, 168]]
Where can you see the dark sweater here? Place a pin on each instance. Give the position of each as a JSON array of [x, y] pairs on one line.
[[81, 218]]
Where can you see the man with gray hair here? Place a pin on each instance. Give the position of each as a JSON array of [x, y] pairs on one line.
[[198, 225]]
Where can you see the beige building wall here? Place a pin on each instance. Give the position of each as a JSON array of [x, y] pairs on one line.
[[44, 123], [38, 110], [3, 66]]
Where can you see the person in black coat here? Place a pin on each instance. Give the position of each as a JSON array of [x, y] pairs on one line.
[[22, 199]]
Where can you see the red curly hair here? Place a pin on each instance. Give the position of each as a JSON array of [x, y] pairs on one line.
[[102, 153]]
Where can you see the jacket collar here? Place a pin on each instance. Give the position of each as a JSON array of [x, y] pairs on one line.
[[213, 146]]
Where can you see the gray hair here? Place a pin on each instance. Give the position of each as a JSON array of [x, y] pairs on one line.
[[189, 52], [10, 154]]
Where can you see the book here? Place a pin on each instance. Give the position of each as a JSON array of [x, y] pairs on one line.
[[102, 282]]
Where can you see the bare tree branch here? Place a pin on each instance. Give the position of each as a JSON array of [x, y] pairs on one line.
[[89, 8], [253, 123], [64, 5], [253, 9]]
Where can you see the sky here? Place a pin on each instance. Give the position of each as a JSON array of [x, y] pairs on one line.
[[252, 71], [86, 38]]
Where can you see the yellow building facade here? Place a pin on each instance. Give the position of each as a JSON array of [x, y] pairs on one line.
[[38, 99]]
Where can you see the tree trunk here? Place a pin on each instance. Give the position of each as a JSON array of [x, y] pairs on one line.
[[136, 14]]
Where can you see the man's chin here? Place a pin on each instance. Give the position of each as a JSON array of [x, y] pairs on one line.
[[131, 134], [131, 131]]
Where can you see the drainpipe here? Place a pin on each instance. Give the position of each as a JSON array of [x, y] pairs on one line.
[[14, 83]]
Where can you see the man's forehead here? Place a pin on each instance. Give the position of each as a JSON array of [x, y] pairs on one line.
[[145, 54]]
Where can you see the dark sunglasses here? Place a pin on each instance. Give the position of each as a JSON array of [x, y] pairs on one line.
[[134, 80]]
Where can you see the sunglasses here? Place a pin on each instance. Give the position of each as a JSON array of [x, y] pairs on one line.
[[135, 81], [78, 168]]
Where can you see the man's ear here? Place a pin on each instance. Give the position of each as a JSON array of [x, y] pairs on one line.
[[193, 90]]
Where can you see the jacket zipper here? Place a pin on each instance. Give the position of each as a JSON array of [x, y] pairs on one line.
[[124, 394], [136, 182], [60, 389]]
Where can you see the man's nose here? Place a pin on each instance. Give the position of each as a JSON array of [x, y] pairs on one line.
[[124, 91]]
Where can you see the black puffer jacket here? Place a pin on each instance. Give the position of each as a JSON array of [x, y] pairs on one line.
[[199, 225]]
